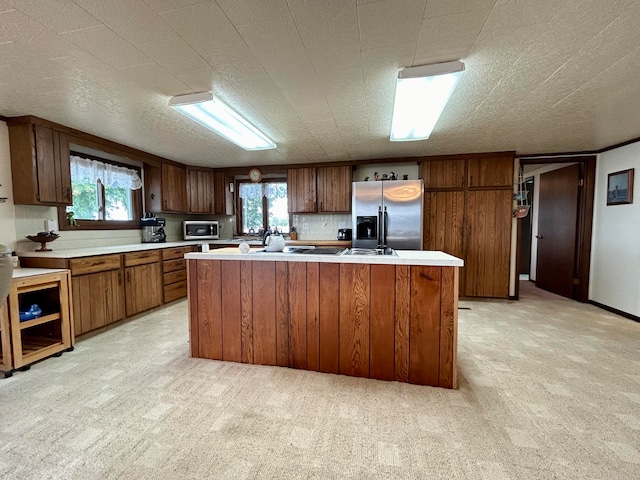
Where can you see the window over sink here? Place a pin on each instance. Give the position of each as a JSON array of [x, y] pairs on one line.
[[106, 194], [263, 205]]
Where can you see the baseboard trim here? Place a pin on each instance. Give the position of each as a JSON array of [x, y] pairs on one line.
[[635, 318]]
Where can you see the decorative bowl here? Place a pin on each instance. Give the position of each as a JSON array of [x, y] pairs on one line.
[[43, 240]]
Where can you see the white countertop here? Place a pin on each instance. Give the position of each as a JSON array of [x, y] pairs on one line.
[[405, 257], [134, 247], [32, 272]]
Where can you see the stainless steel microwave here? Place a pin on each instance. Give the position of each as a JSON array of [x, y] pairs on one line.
[[200, 230]]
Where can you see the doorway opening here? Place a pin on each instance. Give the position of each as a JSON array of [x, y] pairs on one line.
[[556, 234]]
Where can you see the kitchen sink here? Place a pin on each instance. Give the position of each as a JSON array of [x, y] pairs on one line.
[[372, 251]]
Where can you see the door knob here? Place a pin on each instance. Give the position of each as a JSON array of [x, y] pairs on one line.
[[539, 236]]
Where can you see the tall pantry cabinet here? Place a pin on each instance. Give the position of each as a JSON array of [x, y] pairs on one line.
[[468, 205]]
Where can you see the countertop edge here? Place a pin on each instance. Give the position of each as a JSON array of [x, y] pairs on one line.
[[405, 257]]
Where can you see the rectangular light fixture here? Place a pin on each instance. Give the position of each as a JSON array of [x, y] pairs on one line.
[[421, 95], [216, 115]]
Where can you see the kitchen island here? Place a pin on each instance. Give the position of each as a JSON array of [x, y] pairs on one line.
[[383, 317]]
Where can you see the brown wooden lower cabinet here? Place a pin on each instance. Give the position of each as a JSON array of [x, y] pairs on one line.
[[143, 286], [390, 322], [98, 300]]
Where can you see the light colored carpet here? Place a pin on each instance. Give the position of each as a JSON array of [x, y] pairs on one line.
[[549, 388]]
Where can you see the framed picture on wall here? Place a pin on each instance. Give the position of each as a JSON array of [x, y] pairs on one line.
[[620, 187]]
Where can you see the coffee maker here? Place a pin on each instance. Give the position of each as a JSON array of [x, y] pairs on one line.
[[153, 229]]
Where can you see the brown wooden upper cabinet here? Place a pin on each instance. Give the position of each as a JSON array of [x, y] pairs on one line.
[[490, 171], [468, 172], [200, 191], [165, 188], [40, 165], [322, 189], [222, 196], [334, 189], [444, 173], [301, 190]]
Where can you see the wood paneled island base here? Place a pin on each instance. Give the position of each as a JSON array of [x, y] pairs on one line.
[[383, 321]]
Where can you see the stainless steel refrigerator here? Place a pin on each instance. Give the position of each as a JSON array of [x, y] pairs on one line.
[[388, 214]]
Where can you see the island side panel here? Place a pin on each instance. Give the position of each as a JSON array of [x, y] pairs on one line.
[[403, 302], [313, 313], [209, 309], [298, 315], [231, 311], [246, 311], [264, 313], [282, 314], [192, 285], [449, 328], [382, 322], [354, 319], [329, 317], [424, 326]]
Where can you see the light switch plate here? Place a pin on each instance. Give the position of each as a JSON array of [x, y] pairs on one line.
[[342, 225], [51, 225]]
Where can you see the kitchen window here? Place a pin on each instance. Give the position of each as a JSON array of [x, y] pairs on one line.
[[105, 194], [263, 205]]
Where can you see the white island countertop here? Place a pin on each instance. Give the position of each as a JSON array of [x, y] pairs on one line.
[[405, 257]]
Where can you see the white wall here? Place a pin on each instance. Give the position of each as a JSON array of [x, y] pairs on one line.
[[615, 247], [7, 211]]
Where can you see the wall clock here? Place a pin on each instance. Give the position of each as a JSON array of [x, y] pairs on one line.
[[255, 175]]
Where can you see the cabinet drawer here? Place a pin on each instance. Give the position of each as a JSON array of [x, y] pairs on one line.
[[174, 291], [174, 253], [140, 258], [101, 263], [173, 277], [173, 265]]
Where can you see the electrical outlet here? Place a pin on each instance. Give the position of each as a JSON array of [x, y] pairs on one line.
[[305, 226], [342, 225]]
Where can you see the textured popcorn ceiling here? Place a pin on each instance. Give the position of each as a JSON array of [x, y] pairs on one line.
[[319, 76]]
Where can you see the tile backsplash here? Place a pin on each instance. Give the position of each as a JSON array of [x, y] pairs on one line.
[[320, 226], [31, 220]]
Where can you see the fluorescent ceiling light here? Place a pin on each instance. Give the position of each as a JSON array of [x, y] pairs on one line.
[[421, 95], [216, 115]]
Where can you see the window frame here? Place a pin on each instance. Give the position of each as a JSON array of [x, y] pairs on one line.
[[265, 202], [136, 204]]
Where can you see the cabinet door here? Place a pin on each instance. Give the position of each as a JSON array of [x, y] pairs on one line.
[[443, 173], [98, 300], [143, 287], [200, 191], [490, 172], [52, 160], [174, 188], [334, 189], [301, 190], [488, 243], [222, 196], [444, 225]]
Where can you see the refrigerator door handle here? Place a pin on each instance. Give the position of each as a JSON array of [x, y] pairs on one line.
[[380, 232], [385, 223]]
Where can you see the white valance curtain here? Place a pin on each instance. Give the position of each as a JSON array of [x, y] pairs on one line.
[[85, 169], [255, 191]]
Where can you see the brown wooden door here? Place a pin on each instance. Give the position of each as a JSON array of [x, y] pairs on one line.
[[444, 173], [98, 300], [143, 287], [301, 190], [444, 225], [222, 196], [490, 172], [52, 158], [200, 191], [174, 188], [557, 227], [334, 189], [488, 243]]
